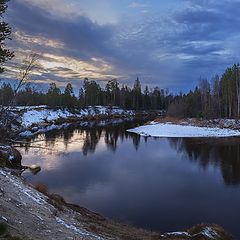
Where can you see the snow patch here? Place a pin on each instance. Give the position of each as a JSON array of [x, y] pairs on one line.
[[42, 114], [5, 219], [36, 197], [209, 232], [176, 130], [43, 130], [177, 234], [75, 229], [45, 115], [26, 134]]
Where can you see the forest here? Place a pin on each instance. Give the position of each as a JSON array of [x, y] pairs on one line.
[[91, 94], [218, 98]]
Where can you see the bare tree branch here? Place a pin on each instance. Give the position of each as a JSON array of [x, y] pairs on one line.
[[26, 70]]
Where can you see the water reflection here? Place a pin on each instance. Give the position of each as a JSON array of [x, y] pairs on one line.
[[155, 183], [87, 136], [222, 153]]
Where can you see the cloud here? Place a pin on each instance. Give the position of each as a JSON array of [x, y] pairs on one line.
[[137, 5], [79, 45], [56, 8], [167, 48], [195, 40], [26, 39]]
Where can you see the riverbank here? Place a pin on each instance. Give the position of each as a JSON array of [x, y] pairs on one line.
[[30, 214], [199, 128], [30, 121]]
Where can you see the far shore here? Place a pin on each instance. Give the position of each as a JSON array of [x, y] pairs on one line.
[[191, 127]]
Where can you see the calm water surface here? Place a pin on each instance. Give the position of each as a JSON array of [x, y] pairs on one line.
[[155, 183]]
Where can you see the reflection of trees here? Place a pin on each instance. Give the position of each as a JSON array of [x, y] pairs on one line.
[[91, 134], [91, 140], [111, 138], [225, 153], [136, 140], [52, 137]]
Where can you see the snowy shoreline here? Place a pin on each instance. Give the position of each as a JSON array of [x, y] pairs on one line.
[[42, 114], [34, 120], [174, 130]]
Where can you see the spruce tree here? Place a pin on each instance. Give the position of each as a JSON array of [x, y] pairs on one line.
[[5, 33]]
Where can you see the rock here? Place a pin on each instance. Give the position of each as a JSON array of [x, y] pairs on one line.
[[16, 157], [3, 158], [35, 169], [10, 157]]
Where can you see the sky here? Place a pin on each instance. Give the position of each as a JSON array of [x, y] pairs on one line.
[[170, 44]]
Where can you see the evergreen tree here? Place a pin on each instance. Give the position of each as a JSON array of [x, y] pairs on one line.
[[69, 99], [92, 92], [6, 94], [53, 95], [146, 99], [5, 32], [137, 94]]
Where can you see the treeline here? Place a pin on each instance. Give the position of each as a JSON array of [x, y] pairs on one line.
[[218, 98], [89, 95]]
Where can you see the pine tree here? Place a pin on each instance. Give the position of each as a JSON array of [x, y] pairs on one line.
[[137, 94], [69, 100], [54, 95], [5, 32]]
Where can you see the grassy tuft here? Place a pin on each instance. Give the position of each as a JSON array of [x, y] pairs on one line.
[[41, 188], [3, 229]]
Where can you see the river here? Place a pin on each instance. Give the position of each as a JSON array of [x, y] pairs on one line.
[[163, 184]]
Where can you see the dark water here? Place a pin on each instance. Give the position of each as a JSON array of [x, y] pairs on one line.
[[155, 183]]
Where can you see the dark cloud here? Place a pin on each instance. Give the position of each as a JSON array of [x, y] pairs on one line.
[[81, 36], [171, 50]]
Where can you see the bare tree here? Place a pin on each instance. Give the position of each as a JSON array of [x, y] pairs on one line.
[[26, 69], [236, 71], [216, 91], [205, 91]]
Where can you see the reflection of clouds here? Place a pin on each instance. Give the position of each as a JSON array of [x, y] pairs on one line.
[[51, 152], [152, 187], [47, 162]]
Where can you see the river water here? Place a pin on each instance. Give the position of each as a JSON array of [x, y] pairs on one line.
[[159, 184]]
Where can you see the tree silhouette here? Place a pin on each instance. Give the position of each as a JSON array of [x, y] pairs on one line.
[[5, 33]]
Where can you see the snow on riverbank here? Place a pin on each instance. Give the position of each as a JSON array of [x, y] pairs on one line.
[[45, 115], [176, 130], [42, 114]]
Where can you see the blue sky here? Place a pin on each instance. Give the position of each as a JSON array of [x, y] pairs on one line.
[[166, 43]]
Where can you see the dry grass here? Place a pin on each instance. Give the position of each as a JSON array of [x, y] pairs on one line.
[[4, 234], [42, 188]]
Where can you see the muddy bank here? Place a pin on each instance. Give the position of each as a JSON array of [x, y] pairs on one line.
[[30, 214]]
